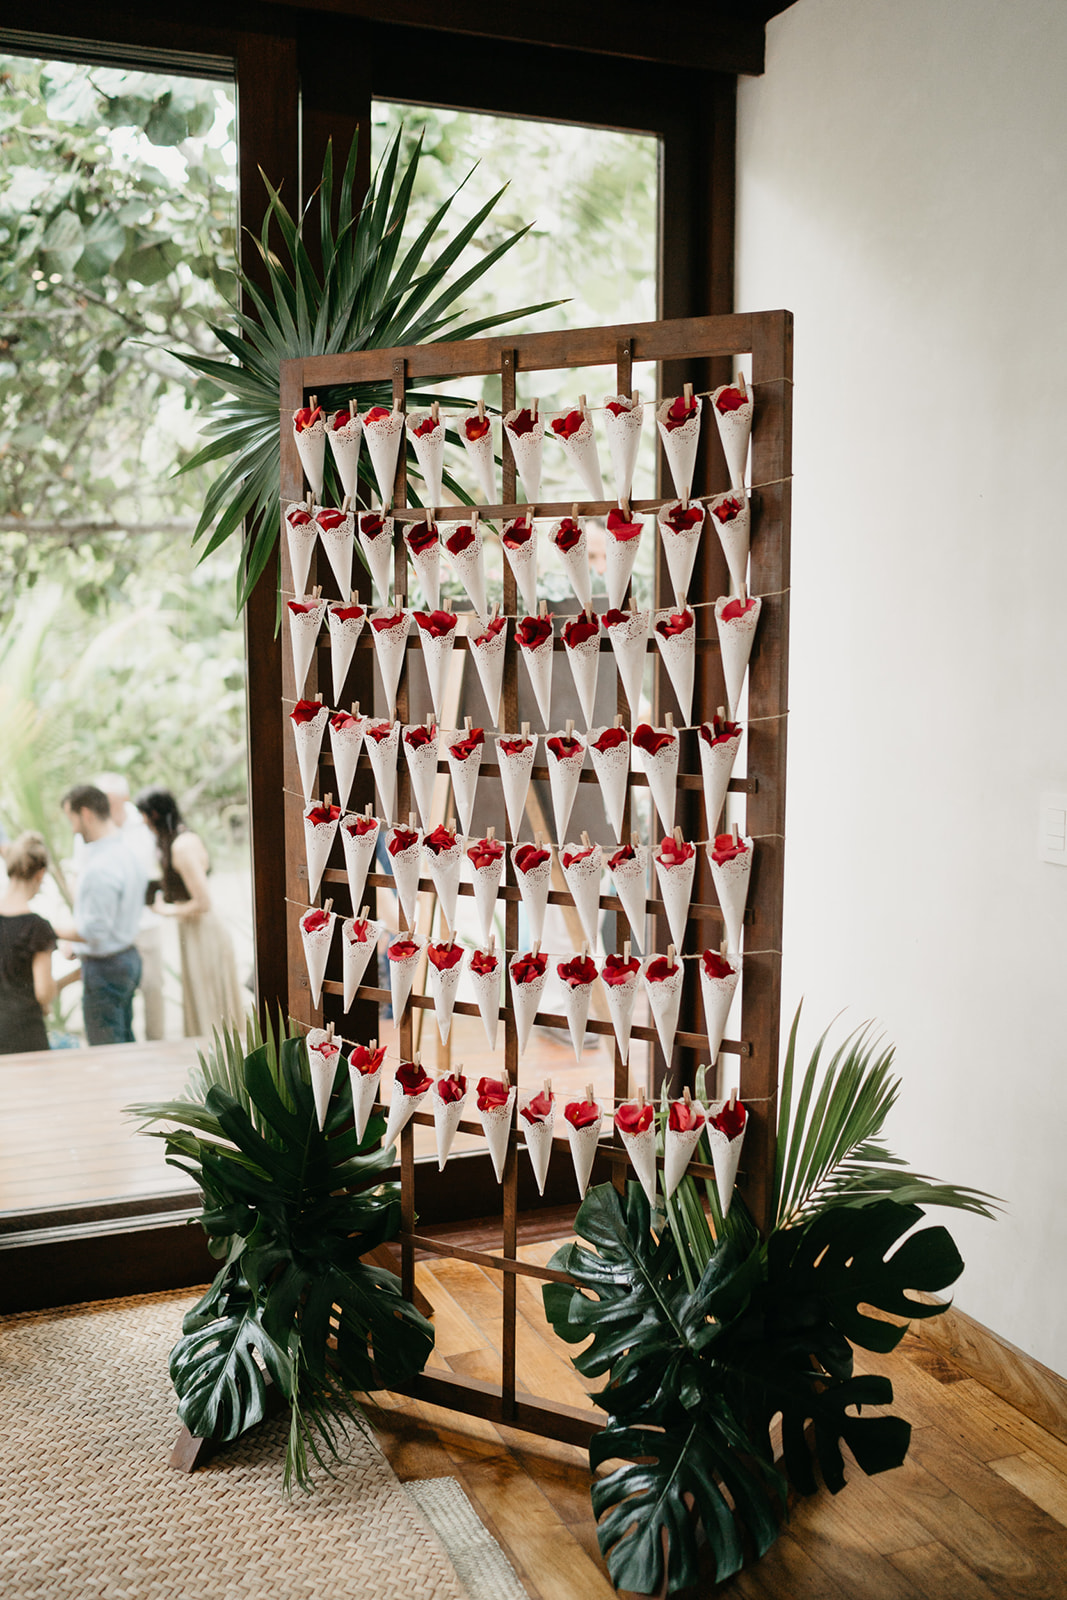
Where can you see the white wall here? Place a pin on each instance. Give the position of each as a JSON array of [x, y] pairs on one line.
[[902, 189]]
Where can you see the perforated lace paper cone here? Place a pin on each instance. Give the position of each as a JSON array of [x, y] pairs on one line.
[[676, 891], [480, 454], [316, 944], [515, 773], [584, 659], [581, 450], [718, 996], [468, 563], [735, 642], [422, 765], [661, 770], [629, 639], [405, 869], [539, 666], [583, 881], [486, 987], [359, 851], [365, 1086], [402, 1107], [379, 555], [612, 768], [678, 651], [620, 555], [443, 869], [534, 886], [436, 657], [630, 877], [356, 954], [641, 1149], [488, 650], [623, 426], [301, 536], [523, 562], [427, 565], [338, 539], [496, 1121], [318, 842], [680, 445], [526, 999], [664, 1000], [429, 453], [344, 446], [346, 625], [401, 978], [680, 546], [464, 771], [725, 1154], [620, 998], [735, 429], [678, 1148], [528, 450], [576, 563], [389, 647], [538, 1136], [307, 737], [576, 1001], [324, 1058], [383, 436], [305, 620], [443, 985], [311, 448], [447, 1116], [486, 889], [731, 518], [731, 880], [383, 754], [716, 768], [583, 1143], [346, 741], [564, 775]]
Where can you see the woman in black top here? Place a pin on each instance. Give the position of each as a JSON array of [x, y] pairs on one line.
[[27, 987]]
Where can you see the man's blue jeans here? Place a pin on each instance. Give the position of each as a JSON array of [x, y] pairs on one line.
[[108, 984]]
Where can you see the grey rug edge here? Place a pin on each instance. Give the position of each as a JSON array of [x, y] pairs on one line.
[[481, 1565]]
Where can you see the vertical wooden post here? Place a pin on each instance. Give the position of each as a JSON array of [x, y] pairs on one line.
[[510, 699]]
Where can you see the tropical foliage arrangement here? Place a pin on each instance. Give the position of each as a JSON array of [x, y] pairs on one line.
[[707, 1334], [291, 1211]]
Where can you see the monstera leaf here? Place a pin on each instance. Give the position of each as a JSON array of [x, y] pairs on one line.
[[220, 1384]]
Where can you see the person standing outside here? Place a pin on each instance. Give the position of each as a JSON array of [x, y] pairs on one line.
[[107, 913], [149, 941]]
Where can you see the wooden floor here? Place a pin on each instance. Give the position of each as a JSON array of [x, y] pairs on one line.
[[978, 1512]]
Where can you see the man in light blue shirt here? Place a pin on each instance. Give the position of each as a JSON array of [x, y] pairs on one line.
[[107, 912]]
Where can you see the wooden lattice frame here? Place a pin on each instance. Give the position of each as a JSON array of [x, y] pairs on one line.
[[704, 344]]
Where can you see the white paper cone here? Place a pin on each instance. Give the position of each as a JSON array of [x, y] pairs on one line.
[[316, 951], [576, 562], [427, 565], [405, 870], [356, 954], [631, 885], [661, 770], [621, 555], [339, 543], [718, 996], [344, 444], [379, 554], [488, 650], [735, 430], [307, 737], [301, 537], [678, 651], [464, 771], [583, 1143], [534, 886], [324, 1058], [311, 447], [563, 778], [496, 1122], [523, 563], [629, 640], [443, 869], [526, 999], [447, 1116], [539, 666], [486, 890], [359, 851], [620, 998], [726, 1156], [515, 773], [716, 767], [735, 644], [678, 1151], [365, 1087], [401, 978], [680, 445], [468, 565], [583, 881], [680, 548], [538, 1136], [304, 635], [528, 450], [734, 530], [422, 764], [665, 1000], [576, 1000], [731, 886], [486, 986], [402, 1108], [582, 452], [676, 891], [344, 632], [346, 742], [584, 660], [624, 440], [612, 768], [641, 1149], [389, 646], [383, 754], [383, 436], [480, 452], [318, 842], [429, 453], [443, 986], [436, 656]]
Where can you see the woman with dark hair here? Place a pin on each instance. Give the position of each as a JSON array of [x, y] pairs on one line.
[[211, 994], [27, 987]]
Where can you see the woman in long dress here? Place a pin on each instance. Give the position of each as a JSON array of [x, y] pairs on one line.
[[211, 994]]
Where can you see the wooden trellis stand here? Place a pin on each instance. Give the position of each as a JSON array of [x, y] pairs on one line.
[[701, 351]]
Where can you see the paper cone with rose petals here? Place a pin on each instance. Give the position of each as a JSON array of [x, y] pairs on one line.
[[344, 446], [583, 882], [680, 445], [301, 537], [584, 661], [576, 563], [526, 999], [436, 658], [612, 768], [486, 986], [661, 770], [583, 1143], [523, 563], [365, 1086], [718, 996], [344, 632], [317, 951], [405, 870], [383, 436], [443, 985], [488, 650], [576, 1001], [735, 430], [447, 1116], [620, 998], [304, 635], [641, 1149], [515, 773], [716, 767], [480, 454], [678, 1149], [422, 764], [631, 886], [442, 868], [427, 564], [401, 979], [402, 1107], [307, 737], [734, 533], [356, 954], [324, 1058], [383, 754], [620, 555], [468, 566], [624, 440], [339, 543], [486, 890], [345, 744], [664, 1001], [539, 666], [538, 1136], [725, 1155], [678, 651], [318, 842], [680, 547], [735, 645], [389, 647], [311, 448], [629, 640], [429, 453], [731, 886], [528, 450], [582, 453], [359, 851], [464, 770], [496, 1123], [379, 557], [533, 887], [563, 779], [676, 891]]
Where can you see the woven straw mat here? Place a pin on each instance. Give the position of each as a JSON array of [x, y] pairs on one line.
[[89, 1508]]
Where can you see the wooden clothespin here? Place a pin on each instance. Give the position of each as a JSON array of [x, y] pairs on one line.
[[585, 838], [679, 600], [668, 722], [314, 401], [538, 839], [363, 910], [640, 1098], [742, 594], [742, 391], [367, 812], [542, 609], [723, 946], [428, 511], [525, 730], [733, 1099], [570, 727], [452, 825], [328, 907], [466, 724], [678, 835], [490, 832], [411, 820], [505, 1078], [585, 948], [618, 719], [481, 410], [535, 406], [589, 1095], [417, 1062], [328, 801], [633, 604], [317, 592], [435, 409], [474, 519], [329, 1033], [635, 840], [547, 1083], [733, 830], [671, 957], [346, 504], [373, 1045], [537, 947], [687, 393], [448, 602], [318, 699], [574, 512], [720, 712], [492, 944], [626, 951], [686, 1096], [310, 500], [635, 398], [581, 404]]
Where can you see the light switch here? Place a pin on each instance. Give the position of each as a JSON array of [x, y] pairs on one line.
[[1052, 829]]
